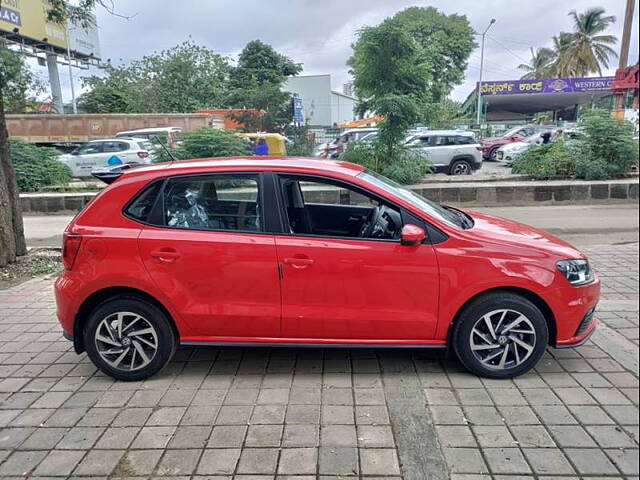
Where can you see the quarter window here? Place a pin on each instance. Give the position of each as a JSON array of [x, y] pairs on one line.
[[214, 202]]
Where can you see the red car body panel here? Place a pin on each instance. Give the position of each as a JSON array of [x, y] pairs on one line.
[[491, 143], [279, 288]]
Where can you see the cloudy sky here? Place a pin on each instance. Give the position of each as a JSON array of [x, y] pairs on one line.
[[319, 34]]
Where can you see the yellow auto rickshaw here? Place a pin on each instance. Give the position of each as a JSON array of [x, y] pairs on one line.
[[276, 142]]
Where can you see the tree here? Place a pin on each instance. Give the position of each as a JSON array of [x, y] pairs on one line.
[[181, 79], [445, 43], [539, 65], [563, 63], [256, 84], [21, 85], [590, 49], [12, 242]]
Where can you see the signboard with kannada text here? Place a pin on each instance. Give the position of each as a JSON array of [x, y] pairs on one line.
[[547, 85]]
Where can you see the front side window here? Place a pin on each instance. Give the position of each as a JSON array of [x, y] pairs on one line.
[[332, 209], [213, 202]]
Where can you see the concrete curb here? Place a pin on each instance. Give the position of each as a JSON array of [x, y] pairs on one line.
[[480, 194]]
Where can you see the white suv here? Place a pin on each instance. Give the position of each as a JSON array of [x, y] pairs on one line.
[[454, 152], [102, 153]]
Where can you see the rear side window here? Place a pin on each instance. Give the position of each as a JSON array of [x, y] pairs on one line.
[[214, 202], [142, 205], [464, 140]]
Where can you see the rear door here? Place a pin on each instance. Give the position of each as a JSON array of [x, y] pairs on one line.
[[89, 156], [210, 254]]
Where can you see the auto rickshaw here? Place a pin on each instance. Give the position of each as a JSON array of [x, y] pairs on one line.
[[275, 141]]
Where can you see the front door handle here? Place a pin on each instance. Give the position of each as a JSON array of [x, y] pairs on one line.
[[166, 255], [298, 262]]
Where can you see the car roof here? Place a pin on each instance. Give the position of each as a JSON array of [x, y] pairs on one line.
[[151, 129], [205, 165], [119, 139], [427, 133]]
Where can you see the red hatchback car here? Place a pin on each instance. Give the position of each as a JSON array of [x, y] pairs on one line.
[[309, 252]]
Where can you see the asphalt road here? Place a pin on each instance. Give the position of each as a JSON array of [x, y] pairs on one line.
[[579, 224]]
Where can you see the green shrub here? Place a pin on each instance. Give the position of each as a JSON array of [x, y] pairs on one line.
[[36, 167], [206, 142], [408, 166], [607, 150], [545, 161], [608, 143]]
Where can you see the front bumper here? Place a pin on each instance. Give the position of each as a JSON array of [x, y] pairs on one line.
[[575, 315]]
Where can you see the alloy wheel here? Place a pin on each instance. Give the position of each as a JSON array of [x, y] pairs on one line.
[[126, 341], [502, 339], [461, 168]]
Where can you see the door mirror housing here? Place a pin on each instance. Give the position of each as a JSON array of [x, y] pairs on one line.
[[412, 235]]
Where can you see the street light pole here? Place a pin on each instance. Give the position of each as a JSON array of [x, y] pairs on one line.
[[73, 92], [479, 99]]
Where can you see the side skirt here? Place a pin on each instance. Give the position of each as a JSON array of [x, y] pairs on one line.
[[311, 345]]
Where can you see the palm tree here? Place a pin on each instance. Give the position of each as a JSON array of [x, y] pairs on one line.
[[563, 63], [539, 65], [590, 50]]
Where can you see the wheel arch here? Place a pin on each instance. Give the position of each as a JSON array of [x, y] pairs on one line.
[[101, 296], [523, 292]]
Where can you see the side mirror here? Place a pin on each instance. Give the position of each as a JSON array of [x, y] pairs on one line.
[[412, 235]]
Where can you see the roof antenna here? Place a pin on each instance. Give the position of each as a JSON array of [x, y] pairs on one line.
[[164, 147]]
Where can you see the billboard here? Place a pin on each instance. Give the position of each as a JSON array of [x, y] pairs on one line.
[[28, 19], [547, 85]]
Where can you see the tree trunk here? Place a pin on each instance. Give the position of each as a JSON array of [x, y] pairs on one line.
[[12, 242]]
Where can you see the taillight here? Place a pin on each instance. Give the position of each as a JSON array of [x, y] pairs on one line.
[[143, 154], [70, 246], [479, 148]]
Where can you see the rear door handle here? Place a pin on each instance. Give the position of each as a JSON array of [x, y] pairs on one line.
[[167, 255], [298, 262]]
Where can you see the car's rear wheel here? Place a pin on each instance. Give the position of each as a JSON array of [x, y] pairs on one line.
[[460, 167], [493, 155], [500, 335], [129, 338]]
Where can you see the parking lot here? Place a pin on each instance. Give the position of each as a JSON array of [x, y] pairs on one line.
[[265, 413]]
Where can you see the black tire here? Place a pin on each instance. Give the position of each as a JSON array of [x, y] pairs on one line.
[[473, 314], [165, 338], [493, 153], [460, 167]]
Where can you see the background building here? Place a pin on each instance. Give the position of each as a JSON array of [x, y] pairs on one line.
[[321, 106]]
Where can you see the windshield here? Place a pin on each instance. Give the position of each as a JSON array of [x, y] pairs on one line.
[[427, 206], [532, 138], [513, 132]]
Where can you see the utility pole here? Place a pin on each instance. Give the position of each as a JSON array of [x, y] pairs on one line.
[[73, 92], [619, 96], [479, 104], [54, 81]]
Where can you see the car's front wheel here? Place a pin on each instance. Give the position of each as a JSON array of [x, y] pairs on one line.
[[500, 335], [129, 338]]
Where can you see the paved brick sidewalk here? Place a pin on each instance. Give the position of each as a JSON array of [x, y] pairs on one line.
[[314, 413]]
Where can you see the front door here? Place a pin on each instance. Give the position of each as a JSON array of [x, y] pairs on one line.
[[348, 282], [211, 259]]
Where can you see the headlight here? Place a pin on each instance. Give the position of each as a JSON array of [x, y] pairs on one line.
[[577, 272]]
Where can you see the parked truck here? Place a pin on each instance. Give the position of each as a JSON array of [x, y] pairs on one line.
[[65, 131]]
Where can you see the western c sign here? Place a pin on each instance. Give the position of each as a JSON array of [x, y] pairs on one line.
[[547, 85]]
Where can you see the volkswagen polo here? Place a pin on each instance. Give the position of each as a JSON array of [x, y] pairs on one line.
[[291, 252]]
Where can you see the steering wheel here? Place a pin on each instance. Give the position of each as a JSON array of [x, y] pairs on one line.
[[371, 221]]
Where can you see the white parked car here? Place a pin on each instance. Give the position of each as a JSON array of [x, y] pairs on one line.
[[507, 153], [454, 152], [100, 153]]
